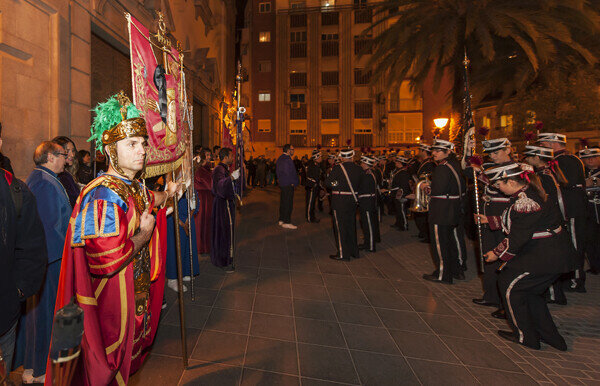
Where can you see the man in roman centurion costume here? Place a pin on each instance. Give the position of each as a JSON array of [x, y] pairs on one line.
[[113, 258]]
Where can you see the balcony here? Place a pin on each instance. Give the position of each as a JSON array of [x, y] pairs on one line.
[[298, 50], [330, 48], [298, 140], [363, 140], [298, 20], [299, 112], [363, 16]]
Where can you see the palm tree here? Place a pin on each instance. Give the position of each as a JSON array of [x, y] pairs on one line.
[[508, 41]]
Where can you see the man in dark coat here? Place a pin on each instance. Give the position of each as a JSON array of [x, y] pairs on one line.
[[591, 159], [223, 212], [4, 160], [287, 176], [367, 200], [423, 167], [399, 189], [344, 180], [23, 256]]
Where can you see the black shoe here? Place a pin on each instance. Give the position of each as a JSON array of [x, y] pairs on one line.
[[499, 314], [459, 276], [337, 257], [560, 346], [434, 278], [483, 302], [561, 302], [508, 335], [580, 288]]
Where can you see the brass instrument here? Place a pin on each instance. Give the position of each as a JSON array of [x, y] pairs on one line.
[[422, 195]]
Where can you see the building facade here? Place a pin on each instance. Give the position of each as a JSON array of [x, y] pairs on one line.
[[308, 81], [59, 58]]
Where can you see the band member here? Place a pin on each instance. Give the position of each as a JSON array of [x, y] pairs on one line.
[[399, 189], [575, 199], [445, 210], [367, 200], [343, 181], [113, 260], [313, 184], [535, 252], [493, 203], [551, 178], [591, 159], [378, 172], [423, 167]]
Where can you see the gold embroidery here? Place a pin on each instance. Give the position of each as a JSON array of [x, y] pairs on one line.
[[86, 300], [100, 266], [116, 214], [100, 287], [100, 254], [119, 379], [123, 293]]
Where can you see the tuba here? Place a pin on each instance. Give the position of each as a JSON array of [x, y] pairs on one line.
[[422, 195]]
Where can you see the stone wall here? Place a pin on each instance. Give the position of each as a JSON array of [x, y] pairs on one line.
[[58, 58]]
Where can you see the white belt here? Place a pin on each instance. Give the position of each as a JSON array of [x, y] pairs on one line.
[[545, 234], [366, 195], [499, 199], [342, 193], [447, 197]]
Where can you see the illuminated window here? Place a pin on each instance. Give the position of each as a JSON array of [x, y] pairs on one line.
[[506, 121], [264, 125], [264, 36], [264, 96]]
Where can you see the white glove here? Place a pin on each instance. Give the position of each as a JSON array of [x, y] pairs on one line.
[[235, 174]]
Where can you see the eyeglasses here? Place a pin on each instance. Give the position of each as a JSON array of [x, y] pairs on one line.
[[63, 154]]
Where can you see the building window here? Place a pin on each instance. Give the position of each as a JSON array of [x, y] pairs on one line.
[[264, 7], [325, 4], [264, 36], [297, 20], [363, 138], [264, 96], [506, 121], [330, 78], [362, 76], [361, 13], [330, 110], [297, 4], [264, 125], [403, 99], [298, 44], [363, 45], [297, 106], [330, 18], [298, 79], [264, 66], [298, 98], [330, 140], [363, 110], [329, 45], [404, 127]]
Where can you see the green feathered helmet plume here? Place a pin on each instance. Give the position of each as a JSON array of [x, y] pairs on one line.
[[116, 119]]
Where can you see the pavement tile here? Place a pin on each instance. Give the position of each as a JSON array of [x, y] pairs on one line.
[[168, 340], [451, 326], [369, 338], [429, 304], [272, 355], [195, 316], [310, 292], [438, 373], [273, 304], [500, 378], [313, 309], [228, 321], [480, 353], [310, 278], [388, 300], [251, 377], [320, 332], [235, 300], [402, 320], [222, 347], [352, 313], [343, 281], [375, 284], [380, 370], [347, 295], [326, 363], [157, 369], [272, 326], [423, 346], [210, 374]]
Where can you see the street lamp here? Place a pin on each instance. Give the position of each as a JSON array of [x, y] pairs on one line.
[[440, 123]]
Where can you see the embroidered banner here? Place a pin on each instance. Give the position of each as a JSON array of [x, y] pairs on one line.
[[166, 138]]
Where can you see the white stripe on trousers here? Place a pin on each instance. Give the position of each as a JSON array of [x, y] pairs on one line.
[[403, 214], [439, 251], [309, 205], [574, 240], [370, 231], [339, 236], [512, 314], [551, 290], [460, 260], [230, 233]]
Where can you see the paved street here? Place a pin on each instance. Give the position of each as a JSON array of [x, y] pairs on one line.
[[290, 315]]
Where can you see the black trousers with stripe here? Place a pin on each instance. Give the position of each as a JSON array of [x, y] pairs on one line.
[[446, 250], [524, 300], [344, 228], [312, 196], [370, 226], [401, 213]]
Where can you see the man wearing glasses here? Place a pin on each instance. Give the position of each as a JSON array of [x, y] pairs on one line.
[[33, 338]]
